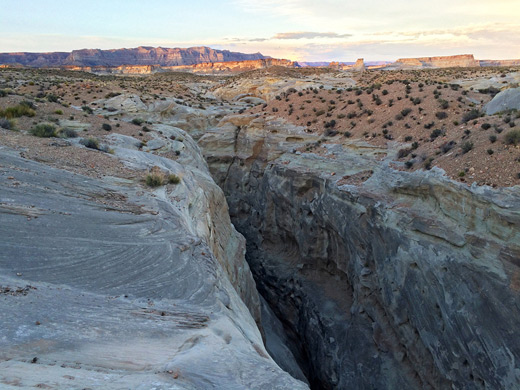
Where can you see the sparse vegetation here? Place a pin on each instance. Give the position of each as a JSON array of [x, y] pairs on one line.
[[91, 143], [173, 179], [87, 109], [466, 146], [7, 124], [44, 130], [471, 115], [512, 137], [68, 133], [154, 180], [18, 111]]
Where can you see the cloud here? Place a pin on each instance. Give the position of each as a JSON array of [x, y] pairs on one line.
[[309, 35], [302, 35]]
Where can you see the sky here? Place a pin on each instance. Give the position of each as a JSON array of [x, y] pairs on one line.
[[300, 30]]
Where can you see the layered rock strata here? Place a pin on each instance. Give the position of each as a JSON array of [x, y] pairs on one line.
[[381, 278], [229, 67]]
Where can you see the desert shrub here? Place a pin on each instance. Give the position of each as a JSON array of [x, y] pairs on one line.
[[347, 134], [17, 111], [154, 180], [512, 137], [406, 111], [436, 133], [408, 138], [91, 143], [428, 126], [466, 146], [447, 146], [137, 121], [173, 179], [490, 151], [330, 132], [28, 104], [6, 124], [331, 124], [3, 93], [320, 112], [111, 95], [43, 130], [428, 163], [68, 133], [490, 91], [404, 152], [58, 112], [52, 98], [441, 115], [106, 127], [485, 126], [492, 138], [471, 115], [87, 109], [408, 164]]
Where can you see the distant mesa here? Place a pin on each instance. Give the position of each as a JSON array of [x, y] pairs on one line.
[[117, 57], [463, 61], [205, 60], [499, 62], [228, 67]]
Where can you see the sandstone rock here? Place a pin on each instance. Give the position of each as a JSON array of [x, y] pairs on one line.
[[508, 99], [152, 286], [412, 276]]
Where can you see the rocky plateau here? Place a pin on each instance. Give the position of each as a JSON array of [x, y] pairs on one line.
[[287, 244]]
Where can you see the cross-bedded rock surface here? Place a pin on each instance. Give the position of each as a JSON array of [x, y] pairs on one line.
[[108, 284]]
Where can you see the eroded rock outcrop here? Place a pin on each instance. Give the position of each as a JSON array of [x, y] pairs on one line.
[[508, 99], [122, 286], [406, 280]]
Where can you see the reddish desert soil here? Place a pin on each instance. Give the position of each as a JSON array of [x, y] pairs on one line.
[[418, 114], [375, 113]]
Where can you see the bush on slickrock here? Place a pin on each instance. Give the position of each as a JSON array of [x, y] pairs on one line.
[[90, 143]]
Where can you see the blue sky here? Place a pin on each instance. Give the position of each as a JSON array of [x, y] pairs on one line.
[[305, 30]]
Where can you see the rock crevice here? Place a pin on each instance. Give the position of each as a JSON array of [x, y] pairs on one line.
[[403, 281]]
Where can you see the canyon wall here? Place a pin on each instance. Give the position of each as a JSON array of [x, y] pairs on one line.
[[404, 280]]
